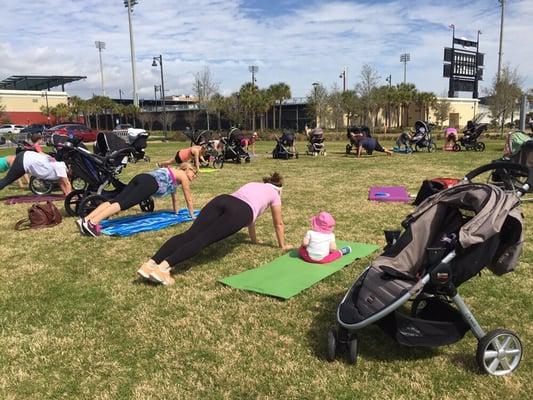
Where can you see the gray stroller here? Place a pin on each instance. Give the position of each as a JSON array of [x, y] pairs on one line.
[[447, 240]]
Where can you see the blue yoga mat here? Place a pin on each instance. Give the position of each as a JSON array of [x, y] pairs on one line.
[[127, 226]]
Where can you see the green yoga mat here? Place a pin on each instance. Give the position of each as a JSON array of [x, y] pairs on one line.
[[288, 275]]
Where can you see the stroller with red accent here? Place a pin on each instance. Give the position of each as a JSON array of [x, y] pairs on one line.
[[447, 240]]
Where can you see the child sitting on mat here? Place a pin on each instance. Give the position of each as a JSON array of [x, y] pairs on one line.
[[318, 245]]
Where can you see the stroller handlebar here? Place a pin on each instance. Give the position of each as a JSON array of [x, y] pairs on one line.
[[503, 165]]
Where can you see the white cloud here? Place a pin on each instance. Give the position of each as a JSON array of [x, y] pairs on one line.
[[306, 41]]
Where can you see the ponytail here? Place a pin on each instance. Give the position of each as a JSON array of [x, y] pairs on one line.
[[274, 179]]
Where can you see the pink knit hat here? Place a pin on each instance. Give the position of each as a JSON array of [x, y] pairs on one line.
[[323, 222]]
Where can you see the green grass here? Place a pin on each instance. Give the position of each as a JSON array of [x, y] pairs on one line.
[[76, 323]]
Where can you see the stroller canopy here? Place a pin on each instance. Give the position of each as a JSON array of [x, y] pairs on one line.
[[422, 127], [490, 211], [107, 142]]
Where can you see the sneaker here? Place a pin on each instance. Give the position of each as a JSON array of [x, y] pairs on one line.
[[90, 228], [162, 275], [346, 250], [79, 222], [146, 269]]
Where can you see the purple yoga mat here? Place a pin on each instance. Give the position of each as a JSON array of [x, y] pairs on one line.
[[33, 198], [389, 193]]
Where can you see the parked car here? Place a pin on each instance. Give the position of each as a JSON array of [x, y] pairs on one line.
[[78, 131], [33, 128], [8, 129]]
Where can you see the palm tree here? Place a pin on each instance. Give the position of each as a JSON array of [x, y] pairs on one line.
[[425, 100], [281, 92], [216, 105], [406, 93]]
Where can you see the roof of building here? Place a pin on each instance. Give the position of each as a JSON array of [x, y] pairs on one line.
[[37, 82]]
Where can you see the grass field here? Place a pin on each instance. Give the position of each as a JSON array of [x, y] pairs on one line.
[[76, 322]]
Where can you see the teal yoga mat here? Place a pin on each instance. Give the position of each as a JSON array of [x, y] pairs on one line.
[[288, 275]]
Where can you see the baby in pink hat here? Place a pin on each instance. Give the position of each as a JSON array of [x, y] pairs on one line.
[[318, 245]]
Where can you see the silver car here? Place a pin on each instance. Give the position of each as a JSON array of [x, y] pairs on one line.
[[8, 129]]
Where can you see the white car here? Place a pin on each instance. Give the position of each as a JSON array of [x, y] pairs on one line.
[[9, 129]]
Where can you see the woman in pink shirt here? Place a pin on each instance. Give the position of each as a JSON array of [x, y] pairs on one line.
[[223, 216]]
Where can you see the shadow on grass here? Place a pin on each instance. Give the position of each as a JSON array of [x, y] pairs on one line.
[[374, 344]]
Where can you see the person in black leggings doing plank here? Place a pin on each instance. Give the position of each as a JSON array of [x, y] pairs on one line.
[[158, 183], [223, 216]]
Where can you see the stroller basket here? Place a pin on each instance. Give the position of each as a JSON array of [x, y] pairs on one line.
[[434, 323]]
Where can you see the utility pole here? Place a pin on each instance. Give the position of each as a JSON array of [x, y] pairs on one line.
[[343, 77], [156, 89], [120, 94], [101, 46], [389, 80], [404, 58], [155, 61], [502, 2], [129, 5]]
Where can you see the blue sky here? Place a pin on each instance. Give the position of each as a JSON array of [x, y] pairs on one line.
[[294, 41]]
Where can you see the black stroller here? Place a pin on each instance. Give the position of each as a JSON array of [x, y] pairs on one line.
[[447, 240], [232, 148], [422, 138], [285, 146], [316, 145], [100, 173], [354, 133], [108, 142], [469, 141]]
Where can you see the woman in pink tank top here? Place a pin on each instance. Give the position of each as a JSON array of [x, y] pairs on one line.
[[193, 153], [223, 216]]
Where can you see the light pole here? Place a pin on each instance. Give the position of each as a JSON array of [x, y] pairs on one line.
[[155, 61], [129, 5], [157, 88], [405, 57], [44, 94], [389, 80], [253, 69], [120, 94], [502, 2], [343, 77], [101, 46], [315, 86]]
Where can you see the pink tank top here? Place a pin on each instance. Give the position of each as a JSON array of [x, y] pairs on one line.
[[185, 154]]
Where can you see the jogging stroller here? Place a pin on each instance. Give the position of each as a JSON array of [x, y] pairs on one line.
[[469, 141], [285, 146], [316, 145], [100, 173], [447, 240], [212, 157], [422, 138], [135, 142], [232, 149], [354, 133], [403, 143]]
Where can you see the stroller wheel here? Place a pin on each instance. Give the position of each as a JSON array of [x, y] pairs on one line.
[[78, 183], [89, 203], [72, 202], [296, 155], [480, 146], [456, 147], [353, 350], [325, 153], [218, 162], [499, 352], [348, 149], [247, 159], [331, 349], [432, 147], [147, 205], [40, 186]]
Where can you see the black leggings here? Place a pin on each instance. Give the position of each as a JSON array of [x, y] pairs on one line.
[[140, 188], [15, 172], [221, 217]]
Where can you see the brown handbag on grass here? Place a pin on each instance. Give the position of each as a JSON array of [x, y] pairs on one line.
[[40, 215]]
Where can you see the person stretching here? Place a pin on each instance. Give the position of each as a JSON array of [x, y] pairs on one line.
[[194, 152], [5, 164], [370, 145], [39, 165], [158, 183], [318, 244], [221, 217]]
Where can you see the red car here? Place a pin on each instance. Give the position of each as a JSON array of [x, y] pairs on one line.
[[79, 131]]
